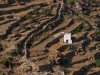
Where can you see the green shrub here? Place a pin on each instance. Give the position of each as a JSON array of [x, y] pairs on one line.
[[7, 62], [28, 44], [63, 68], [71, 46], [71, 2], [1, 74], [98, 23], [1, 38], [22, 25], [85, 12], [97, 32], [97, 63], [29, 16], [86, 68], [79, 28], [35, 12], [17, 51], [47, 11]]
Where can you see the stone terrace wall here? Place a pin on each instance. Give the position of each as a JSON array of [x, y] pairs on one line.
[[46, 22], [55, 40], [9, 29], [39, 28], [19, 9], [52, 33]]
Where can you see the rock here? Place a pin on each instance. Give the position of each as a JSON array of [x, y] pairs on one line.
[[27, 68]]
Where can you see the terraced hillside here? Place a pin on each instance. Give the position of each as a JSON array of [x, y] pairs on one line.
[[32, 35]]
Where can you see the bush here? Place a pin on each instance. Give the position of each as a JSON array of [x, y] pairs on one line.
[[63, 68], [35, 12], [28, 44], [86, 68], [85, 12], [47, 11], [79, 28], [22, 25], [7, 62], [97, 63], [97, 32], [29, 16], [71, 2], [71, 46], [1, 38], [98, 23], [16, 52]]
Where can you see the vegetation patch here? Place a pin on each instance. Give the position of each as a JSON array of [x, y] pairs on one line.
[[86, 68], [85, 12], [70, 46], [28, 44], [97, 33], [35, 12], [97, 63], [16, 52], [79, 28], [7, 62], [29, 16], [47, 11], [72, 2], [22, 26], [63, 68]]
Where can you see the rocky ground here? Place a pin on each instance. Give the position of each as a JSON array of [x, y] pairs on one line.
[[31, 33]]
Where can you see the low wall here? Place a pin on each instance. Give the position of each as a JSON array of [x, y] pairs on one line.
[[56, 40], [19, 9], [51, 34], [33, 33], [2, 18]]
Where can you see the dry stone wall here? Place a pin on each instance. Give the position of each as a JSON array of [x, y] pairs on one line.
[[2, 12], [33, 33]]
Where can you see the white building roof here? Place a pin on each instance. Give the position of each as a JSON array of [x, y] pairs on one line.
[[67, 38]]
